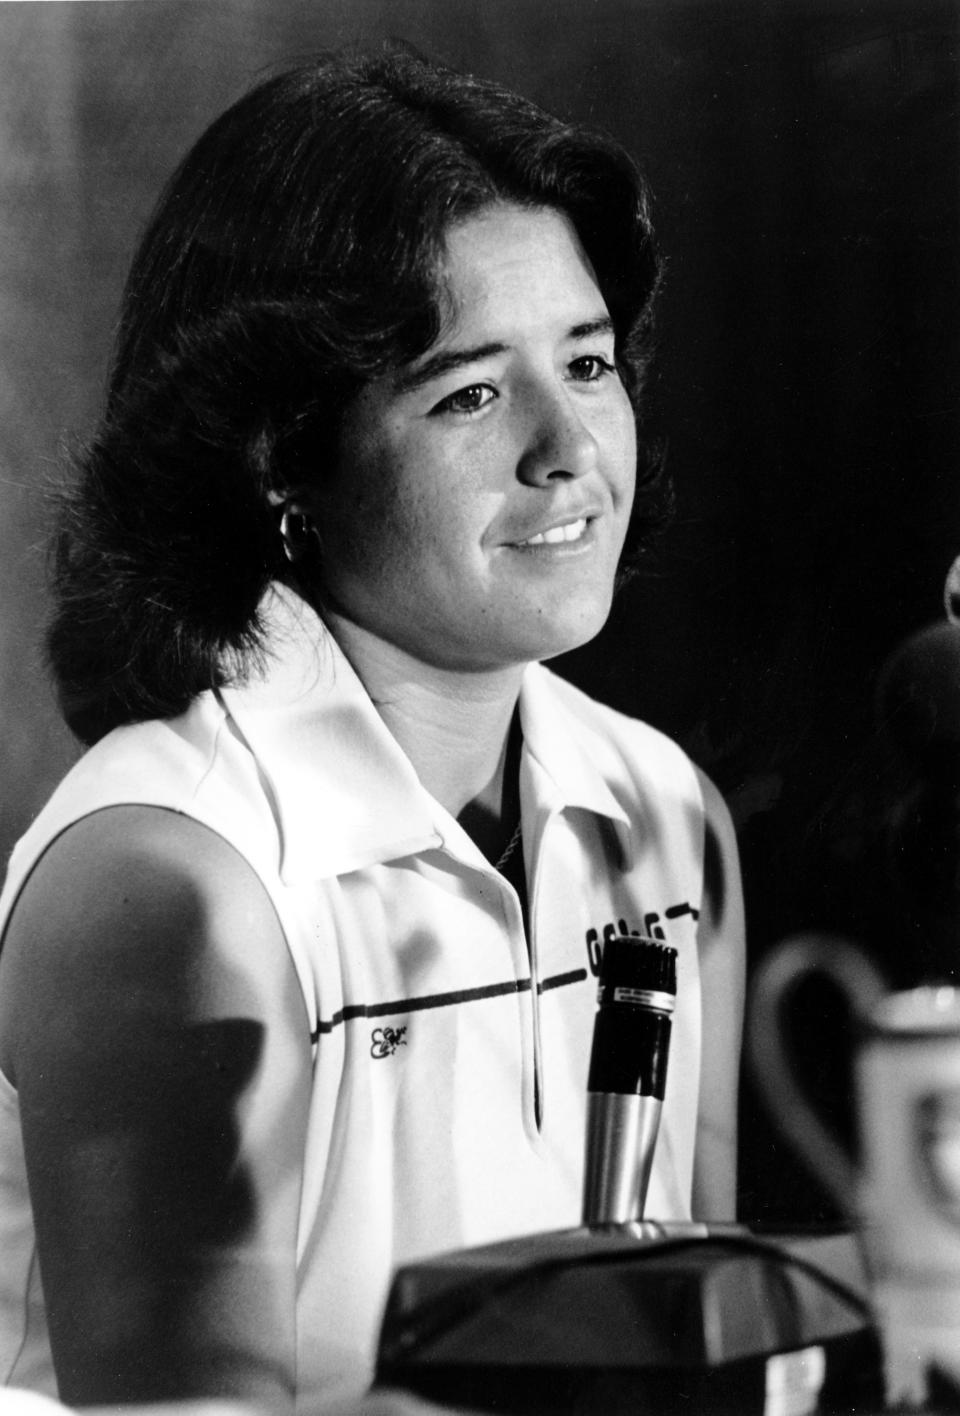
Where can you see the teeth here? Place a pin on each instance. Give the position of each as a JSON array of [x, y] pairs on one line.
[[556, 534]]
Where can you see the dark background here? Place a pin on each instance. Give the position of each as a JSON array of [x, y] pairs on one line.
[[804, 158]]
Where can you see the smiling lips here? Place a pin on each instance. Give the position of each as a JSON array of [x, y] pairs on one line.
[[556, 535]]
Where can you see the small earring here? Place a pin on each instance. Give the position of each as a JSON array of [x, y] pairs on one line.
[[296, 531]]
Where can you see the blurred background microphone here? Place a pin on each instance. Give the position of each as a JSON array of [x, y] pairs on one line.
[[628, 1074], [918, 706], [951, 593]]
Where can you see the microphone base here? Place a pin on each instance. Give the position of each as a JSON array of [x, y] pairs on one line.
[[669, 1318], [621, 1139]]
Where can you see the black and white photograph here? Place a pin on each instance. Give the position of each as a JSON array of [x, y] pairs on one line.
[[480, 702]]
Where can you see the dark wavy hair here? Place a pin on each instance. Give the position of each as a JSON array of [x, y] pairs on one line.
[[292, 257]]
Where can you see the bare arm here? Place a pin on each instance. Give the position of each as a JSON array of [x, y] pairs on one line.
[[722, 946], [151, 1021]]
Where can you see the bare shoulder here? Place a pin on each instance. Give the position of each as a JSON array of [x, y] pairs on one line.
[[722, 948], [140, 907], [153, 1025], [723, 903], [722, 928]]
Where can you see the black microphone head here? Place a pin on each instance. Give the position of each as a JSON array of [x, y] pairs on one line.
[[635, 1002], [918, 697], [634, 961]]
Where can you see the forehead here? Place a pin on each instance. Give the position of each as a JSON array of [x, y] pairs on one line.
[[508, 257]]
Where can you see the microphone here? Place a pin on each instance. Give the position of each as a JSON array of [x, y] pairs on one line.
[[918, 707], [628, 1074], [918, 699], [951, 593]]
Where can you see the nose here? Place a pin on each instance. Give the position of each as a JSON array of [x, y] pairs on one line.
[[559, 444]]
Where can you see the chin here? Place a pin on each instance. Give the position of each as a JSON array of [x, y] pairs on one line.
[[569, 645], [570, 634]]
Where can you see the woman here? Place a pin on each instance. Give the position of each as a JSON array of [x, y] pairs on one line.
[[296, 977]]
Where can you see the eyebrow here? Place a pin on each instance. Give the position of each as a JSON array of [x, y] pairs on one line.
[[444, 361], [441, 363]]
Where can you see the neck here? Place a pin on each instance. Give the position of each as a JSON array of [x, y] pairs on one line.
[[454, 726]]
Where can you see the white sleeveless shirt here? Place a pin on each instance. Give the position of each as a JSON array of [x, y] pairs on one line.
[[434, 1021]]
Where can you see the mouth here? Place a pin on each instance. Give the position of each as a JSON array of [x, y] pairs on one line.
[[558, 535]]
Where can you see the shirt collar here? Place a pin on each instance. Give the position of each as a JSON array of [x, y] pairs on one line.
[[343, 791], [562, 734]]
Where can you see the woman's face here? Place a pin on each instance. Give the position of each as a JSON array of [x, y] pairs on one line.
[[482, 496]]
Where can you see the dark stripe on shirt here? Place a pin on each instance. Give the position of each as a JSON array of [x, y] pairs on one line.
[[442, 1000]]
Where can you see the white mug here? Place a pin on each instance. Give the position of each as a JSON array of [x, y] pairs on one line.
[[905, 1194]]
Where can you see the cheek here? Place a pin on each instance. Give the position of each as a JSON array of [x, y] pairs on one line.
[[360, 504], [625, 440], [381, 527], [623, 464], [424, 505]]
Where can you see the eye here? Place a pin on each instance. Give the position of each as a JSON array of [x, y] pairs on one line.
[[589, 368], [466, 400]]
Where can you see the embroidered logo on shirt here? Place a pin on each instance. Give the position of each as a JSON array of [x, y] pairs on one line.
[[652, 929], [385, 1041]]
